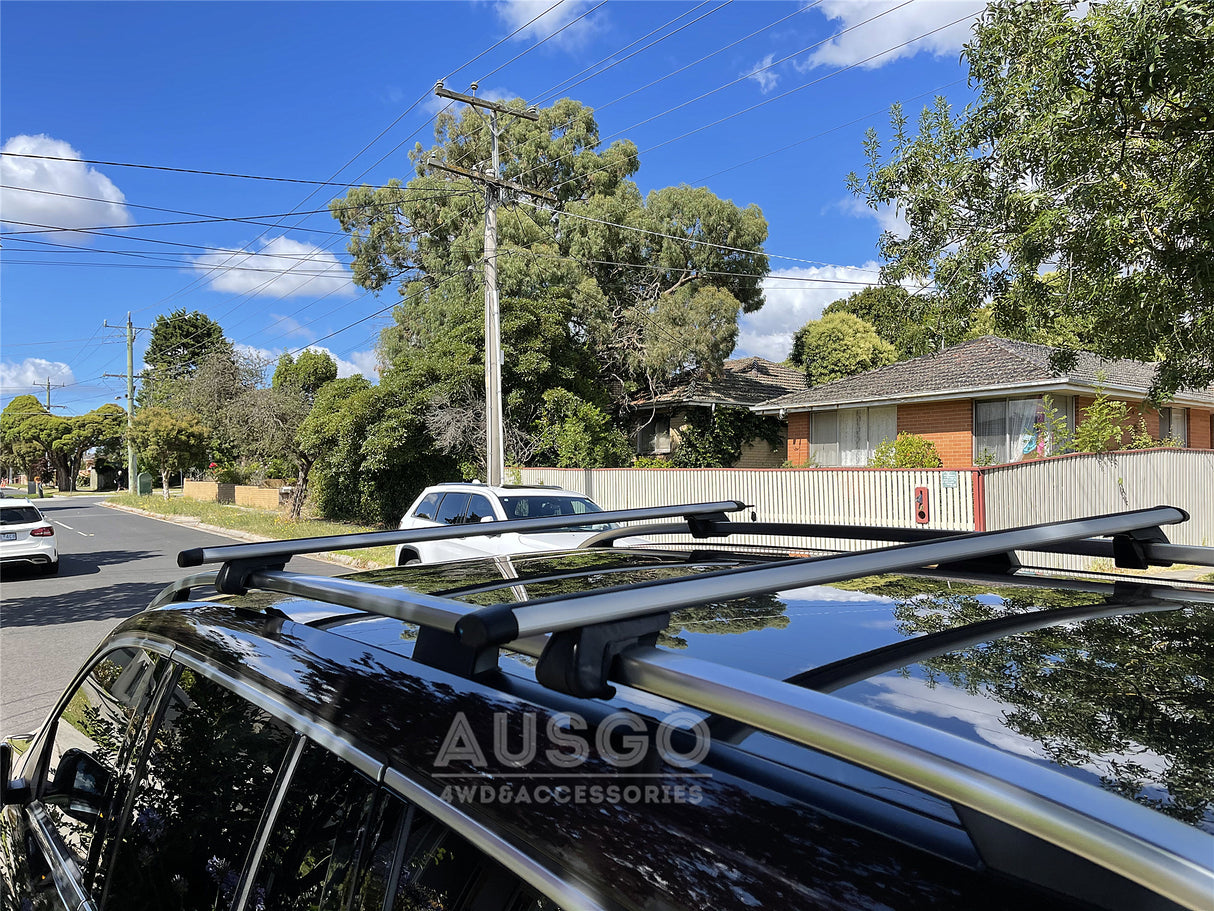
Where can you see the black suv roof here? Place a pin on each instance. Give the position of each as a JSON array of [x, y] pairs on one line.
[[971, 713]]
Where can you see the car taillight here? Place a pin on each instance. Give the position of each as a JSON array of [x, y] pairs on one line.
[[44, 532]]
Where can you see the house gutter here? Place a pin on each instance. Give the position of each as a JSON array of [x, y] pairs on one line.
[[1064, 386]]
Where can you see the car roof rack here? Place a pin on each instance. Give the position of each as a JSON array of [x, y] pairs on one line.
[[585, 640]]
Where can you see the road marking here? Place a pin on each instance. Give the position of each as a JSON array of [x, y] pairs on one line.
[[64, 525]]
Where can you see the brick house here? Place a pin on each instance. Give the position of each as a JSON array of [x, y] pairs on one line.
[[977, 401], [656, 421]]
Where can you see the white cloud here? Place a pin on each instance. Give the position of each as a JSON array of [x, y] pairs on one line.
[[88, 199], [24, 378], [364, 362], [514, 13], [887, 217], [893, 29], [791, 302], [761, 74], [281, 268], [289, 325]]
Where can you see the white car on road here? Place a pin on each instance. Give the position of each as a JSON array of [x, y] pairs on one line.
[[468, 503], [26, 537]]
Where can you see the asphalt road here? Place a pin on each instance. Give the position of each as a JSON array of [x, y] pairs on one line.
[[111, 564]]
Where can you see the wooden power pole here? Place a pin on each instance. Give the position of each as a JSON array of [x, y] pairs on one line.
[[495, 456]]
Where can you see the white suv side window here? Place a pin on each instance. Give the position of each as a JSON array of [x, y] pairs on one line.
[[427, 507], [451, 510], [478, 508]]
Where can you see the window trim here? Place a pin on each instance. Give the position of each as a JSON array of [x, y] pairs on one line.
[[566, 892]]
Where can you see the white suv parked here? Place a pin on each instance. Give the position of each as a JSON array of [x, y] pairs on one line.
[[27, 537], [467, 503]]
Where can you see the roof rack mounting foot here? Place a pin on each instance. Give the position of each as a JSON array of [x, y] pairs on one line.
[[579, 661], [709, 525], [443, 650], [1130, 548], [233, 576]]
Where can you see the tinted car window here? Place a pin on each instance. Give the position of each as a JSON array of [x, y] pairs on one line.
[[310, 858], [86, 780], [451, 510], [200, 796], [479, 508], [428, 506], [19, 515], [422, 864]]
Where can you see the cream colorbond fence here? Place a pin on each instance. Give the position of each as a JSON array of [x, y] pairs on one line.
[[1072, 486], [1049, 490], [857, 496]]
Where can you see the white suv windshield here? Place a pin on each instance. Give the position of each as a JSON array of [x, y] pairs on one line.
[[532, 506], [19, 515]]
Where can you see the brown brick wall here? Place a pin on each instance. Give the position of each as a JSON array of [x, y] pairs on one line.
[[256, 497], [1201, 428], [798, 437], [950, 425], [759, 454]]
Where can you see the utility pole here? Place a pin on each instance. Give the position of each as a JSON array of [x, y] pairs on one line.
[[495, 457], [131, 467], [48, 392]]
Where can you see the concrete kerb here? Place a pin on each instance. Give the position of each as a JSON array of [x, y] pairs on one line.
[[195, 522]]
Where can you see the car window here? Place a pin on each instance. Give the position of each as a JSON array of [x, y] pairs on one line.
[[19, 515], [201, 793], [451, 510], [427, 508], [310, 857], [421, 863], [530, 507], [478, 508], [86, 778]]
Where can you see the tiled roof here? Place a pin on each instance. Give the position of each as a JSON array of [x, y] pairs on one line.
[[976, 365], [743, 381]]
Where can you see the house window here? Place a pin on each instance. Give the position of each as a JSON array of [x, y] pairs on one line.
[[654, 437], [1174, 424], [1006, 430], [861, 430], [824, 438]]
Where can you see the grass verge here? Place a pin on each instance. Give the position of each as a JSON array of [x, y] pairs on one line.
[[261, 522]]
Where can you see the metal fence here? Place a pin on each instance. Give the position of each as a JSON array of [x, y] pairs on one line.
[[975, 499]]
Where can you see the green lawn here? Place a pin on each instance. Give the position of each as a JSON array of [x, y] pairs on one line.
[[261, 522]]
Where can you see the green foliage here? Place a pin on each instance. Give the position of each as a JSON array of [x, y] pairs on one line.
[[169, 441], [306, 373], [810, 461], [714, 439], [985, 458], [1102, 428], [651, 462], [370, 450], [893, 312], [1052, 428], [586, 308], [573, 433], [180, 343], [1076, 193], [838, 345], [909, 450], [29, 432]]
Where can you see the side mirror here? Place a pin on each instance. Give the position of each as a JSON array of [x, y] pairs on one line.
[[12, 790], [80, 785], [488, 519]]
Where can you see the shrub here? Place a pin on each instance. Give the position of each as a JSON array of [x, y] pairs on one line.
[[650, 462], [909, 450]]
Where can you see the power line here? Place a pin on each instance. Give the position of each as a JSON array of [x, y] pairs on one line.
[[543, 40], [566, 84]]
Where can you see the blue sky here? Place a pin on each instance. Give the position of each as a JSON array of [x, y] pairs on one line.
[[318, 92]]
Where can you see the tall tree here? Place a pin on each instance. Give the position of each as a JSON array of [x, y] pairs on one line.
[[838, 345], [180, 343], [100, 427], [1086, 153], [169, 441], [23, 449], [587, 307]]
